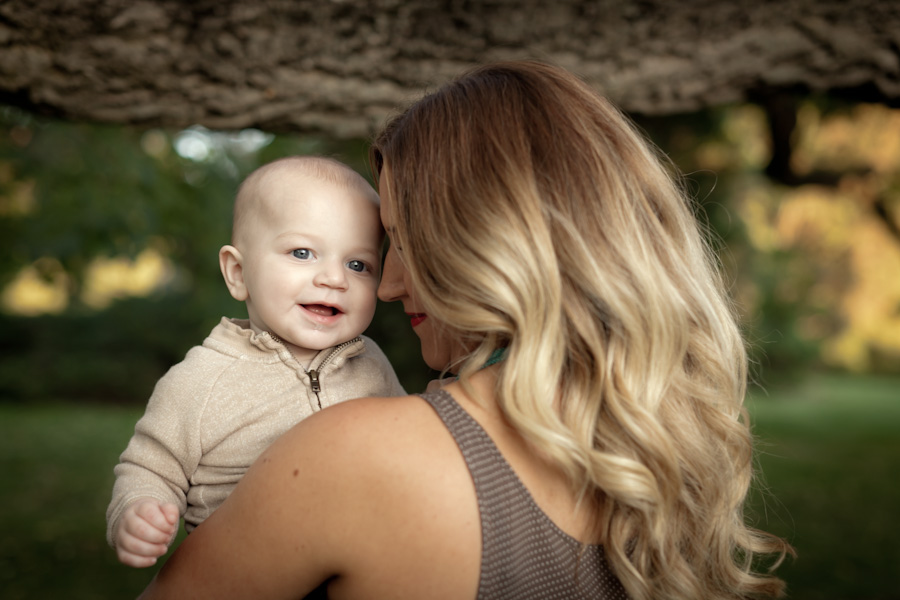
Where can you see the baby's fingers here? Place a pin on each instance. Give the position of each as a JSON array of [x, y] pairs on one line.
[[156, 516], [136, 553], [170, 513], [150, 531], [139, 544]]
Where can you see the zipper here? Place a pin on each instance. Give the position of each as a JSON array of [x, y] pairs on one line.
[[314, 382]]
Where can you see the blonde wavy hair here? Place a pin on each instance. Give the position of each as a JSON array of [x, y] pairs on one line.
[[532, 216]]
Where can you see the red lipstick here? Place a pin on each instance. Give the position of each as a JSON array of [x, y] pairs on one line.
[[416, 318]]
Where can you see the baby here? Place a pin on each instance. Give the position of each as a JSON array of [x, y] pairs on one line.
[[305, 258]]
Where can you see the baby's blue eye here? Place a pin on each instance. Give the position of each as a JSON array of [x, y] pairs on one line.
[[356, 265], [302, 253]]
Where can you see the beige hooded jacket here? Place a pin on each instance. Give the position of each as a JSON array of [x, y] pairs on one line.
[[214, 413]]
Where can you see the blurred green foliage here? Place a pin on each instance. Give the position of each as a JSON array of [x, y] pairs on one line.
[[74, 192], [98, 191], [775, 346]]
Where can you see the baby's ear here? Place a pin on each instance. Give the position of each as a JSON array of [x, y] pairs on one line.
[[231, 264]]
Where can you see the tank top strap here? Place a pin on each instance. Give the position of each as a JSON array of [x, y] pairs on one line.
[[524, 555]]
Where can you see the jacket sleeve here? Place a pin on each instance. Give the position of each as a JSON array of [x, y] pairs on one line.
[[166, 447], [385, 383]]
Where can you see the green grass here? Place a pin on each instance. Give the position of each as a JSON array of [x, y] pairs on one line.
[[55, 483], [829, 449]]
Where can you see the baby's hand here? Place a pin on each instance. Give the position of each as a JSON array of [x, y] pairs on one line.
[[145, 531]]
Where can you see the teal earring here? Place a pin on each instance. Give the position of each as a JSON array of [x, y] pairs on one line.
[[495, 357]]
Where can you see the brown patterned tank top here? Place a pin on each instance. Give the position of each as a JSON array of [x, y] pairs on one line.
[[524, 554]]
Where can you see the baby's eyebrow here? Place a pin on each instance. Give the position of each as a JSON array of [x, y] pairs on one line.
[[366, 251], [294, 233]]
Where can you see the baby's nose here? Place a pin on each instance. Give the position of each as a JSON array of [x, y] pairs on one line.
[[331, 275]]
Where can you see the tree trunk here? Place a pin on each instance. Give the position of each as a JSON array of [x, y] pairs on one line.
[[341, 66]]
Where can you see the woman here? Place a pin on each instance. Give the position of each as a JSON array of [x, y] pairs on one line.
[[546, 259]]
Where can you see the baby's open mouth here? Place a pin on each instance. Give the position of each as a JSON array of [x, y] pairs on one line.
[[321, 309]]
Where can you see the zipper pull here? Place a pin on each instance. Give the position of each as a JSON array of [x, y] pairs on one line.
[[314, 381]]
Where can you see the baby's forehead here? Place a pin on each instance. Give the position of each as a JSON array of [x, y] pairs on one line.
[[276, 192], [299, 177], [291, 198]]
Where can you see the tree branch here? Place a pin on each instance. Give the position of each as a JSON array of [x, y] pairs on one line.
[[342, 66]]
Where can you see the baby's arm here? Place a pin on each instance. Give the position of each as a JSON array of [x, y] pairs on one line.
[[153, 474], [144, 532]]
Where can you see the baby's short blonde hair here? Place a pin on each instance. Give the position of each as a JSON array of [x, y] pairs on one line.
[[316, 168]]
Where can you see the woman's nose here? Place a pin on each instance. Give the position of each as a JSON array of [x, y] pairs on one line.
[[391, 287]]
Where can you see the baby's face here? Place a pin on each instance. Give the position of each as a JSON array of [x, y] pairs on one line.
[[312, 262]]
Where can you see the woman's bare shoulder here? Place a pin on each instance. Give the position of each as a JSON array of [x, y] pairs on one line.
[[371, 494], [387, 454], [365, 429], [398, 491]]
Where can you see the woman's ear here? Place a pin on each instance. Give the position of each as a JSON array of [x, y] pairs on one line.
[[231, 264]]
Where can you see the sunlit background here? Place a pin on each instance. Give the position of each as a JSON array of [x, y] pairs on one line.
[[109, 274], [44, 287], [832, 249]]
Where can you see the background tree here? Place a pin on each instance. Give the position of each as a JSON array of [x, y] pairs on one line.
[[339, 66], [72, 193], [777, 110]]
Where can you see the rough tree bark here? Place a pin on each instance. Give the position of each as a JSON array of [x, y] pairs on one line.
[[341, 66]]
